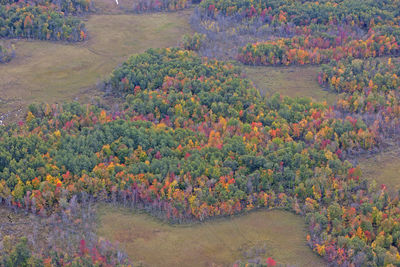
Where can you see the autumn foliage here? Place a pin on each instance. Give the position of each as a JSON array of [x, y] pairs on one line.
[[305, 32], [196, 140], [309, 49], [65, 6], [42, 22], [368, 87], [101, 254]]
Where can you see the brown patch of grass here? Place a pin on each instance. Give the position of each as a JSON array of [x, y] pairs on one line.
[[293, 81], [219, 242], [54, 72], [384, 168]]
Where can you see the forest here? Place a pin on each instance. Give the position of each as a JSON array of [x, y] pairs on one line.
[[39, 22], [65, 6], [188, 137], [42, 20], [236, 151], [369, 86], [298, 32]]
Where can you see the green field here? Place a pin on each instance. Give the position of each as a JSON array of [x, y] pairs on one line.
[[219, 242], [293, 81], [51, 72]]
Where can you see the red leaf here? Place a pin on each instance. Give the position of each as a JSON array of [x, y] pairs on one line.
[[271, 262]]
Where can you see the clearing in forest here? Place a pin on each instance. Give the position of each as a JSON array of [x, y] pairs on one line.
[[384, 168], [275, 233], [53, 71], [292, 81]]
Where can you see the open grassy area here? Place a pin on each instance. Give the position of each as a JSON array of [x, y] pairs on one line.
[[50, 72], [214, 243], [293, 81], [384, 168]]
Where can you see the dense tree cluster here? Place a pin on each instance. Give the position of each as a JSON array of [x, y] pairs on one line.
[[177, 84], [195, 140], [193, 42], [66, 237], [6, 53], [39, 22], [65, 6], [298, 32], [20, 254], [364, 13], [309, 49], [370, 86]]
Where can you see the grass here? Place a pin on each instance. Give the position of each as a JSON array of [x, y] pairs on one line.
[[293, 81], [384, 168], [218, 242], [54, 72]]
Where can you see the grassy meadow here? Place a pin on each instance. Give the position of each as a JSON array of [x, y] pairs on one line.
[[384, 168], [53, 72], [219, 242], [293, 81]]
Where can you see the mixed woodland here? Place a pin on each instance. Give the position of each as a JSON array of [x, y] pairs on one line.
[[42, 20], [194, 139]]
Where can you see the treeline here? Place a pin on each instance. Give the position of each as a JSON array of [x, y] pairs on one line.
[[21, 254], [369, 87], [282, 32], [307, 49], [39, 22], [64, 238], [68, 7], [160, 5], [364, 14], [195, 140], [6, 53], [192, 42]]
